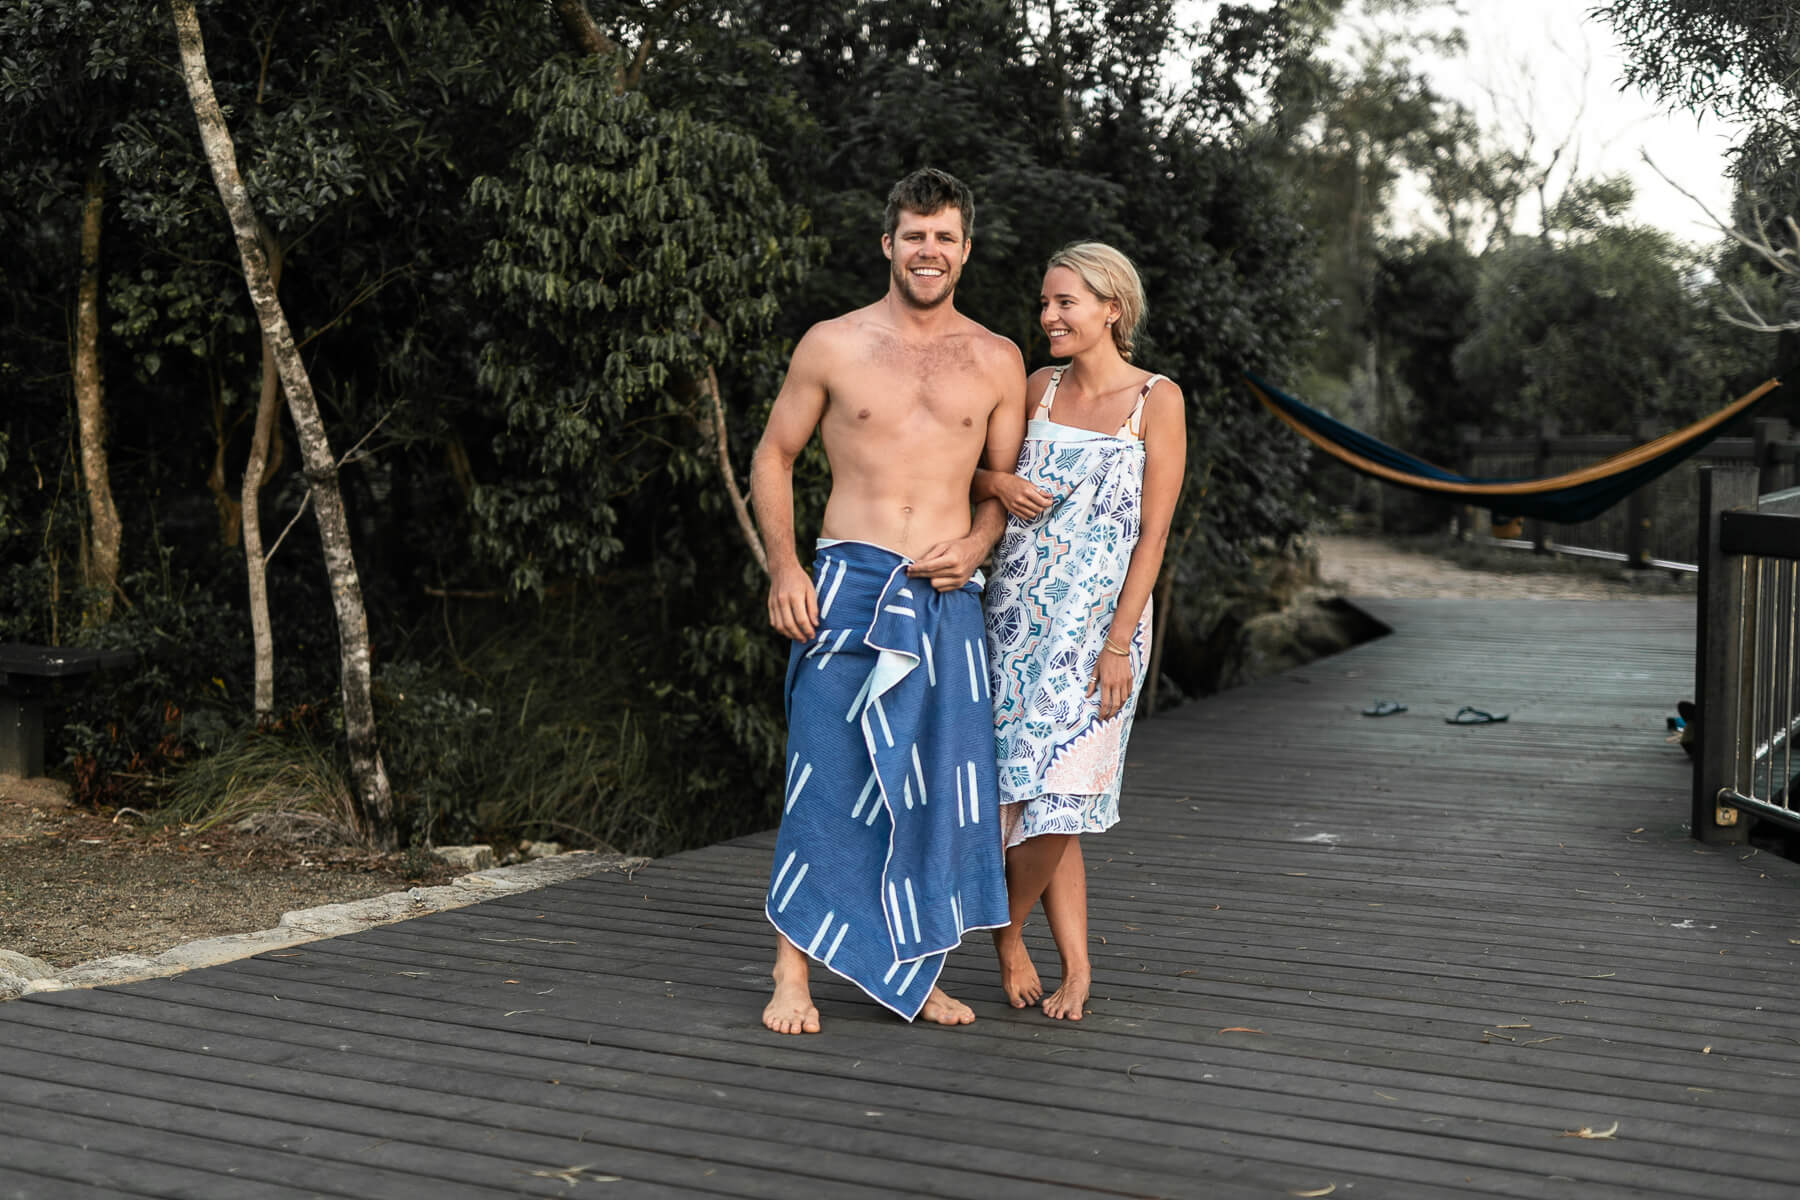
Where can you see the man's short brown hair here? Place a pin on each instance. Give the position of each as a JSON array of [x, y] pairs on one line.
[[926, 192]]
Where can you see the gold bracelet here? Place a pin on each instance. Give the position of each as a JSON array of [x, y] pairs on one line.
[[1108, 643]]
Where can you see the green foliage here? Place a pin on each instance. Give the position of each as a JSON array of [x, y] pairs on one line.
[[585, 727], [290, 780], [510, 284], [124, 731], [1606, 321], [1733, 57], [635, 249]]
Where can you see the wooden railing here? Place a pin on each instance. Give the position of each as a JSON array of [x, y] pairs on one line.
[[1656, 526], [1746, 653]]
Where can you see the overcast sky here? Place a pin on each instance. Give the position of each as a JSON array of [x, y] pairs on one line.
[[1545, 62]]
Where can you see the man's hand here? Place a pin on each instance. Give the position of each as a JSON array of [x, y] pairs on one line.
[[793, 603], [948, 565], [1022, 500]]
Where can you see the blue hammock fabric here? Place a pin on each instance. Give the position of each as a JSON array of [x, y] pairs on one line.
[[889, 849], [1563, 499]]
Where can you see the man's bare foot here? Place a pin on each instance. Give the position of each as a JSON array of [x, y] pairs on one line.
[[790, 1009], [1066, 1002], [942, 1010], [1018, 977]]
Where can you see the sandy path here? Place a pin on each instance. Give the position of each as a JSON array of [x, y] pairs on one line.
[[1367, 567]]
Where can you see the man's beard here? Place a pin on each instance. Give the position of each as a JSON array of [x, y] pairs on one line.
[[908, 283]]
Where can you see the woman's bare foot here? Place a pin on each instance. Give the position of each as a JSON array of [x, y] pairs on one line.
[[790, 1009], [942, 1010], [1018, 977], [1066, 1002]]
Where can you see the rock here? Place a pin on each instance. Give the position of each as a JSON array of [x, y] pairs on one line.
[[465, 858], [540, 849], [21, 974], [1311, 627]]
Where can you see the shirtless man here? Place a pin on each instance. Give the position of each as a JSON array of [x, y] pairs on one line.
[[909, 397]]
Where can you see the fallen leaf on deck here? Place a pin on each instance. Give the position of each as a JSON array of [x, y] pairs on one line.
[[573, 1174], [1706, 1049], [1239, 1029], [1542, 1040], [1608, 975], [1519, 1026], [1592, 1135], [1324, 1191]]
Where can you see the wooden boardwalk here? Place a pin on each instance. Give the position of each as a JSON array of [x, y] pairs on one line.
[[1388, 957]]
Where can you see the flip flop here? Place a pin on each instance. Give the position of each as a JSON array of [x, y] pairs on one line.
[[1384, 708], [1469, 715]]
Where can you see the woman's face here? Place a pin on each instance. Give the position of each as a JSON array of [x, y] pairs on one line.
[[1072, 316]]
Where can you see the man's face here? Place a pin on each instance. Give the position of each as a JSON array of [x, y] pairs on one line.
[[928, 253]]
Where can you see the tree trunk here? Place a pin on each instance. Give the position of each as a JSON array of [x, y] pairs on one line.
[[373, 796], [101, 564], [722, 448], [255, 475], [582, 30]]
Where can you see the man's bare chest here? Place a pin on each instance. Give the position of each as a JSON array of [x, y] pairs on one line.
[[898, 383]]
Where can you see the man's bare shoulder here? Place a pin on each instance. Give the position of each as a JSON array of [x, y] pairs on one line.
[[994, 351], [847, 333]]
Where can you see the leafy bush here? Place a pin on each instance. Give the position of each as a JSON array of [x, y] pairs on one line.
[[578, 720], [289, 779]]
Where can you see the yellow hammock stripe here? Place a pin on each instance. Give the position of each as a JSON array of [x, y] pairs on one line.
[[1618, 463]]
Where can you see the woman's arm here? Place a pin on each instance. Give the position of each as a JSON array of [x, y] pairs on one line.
[[1020, 499], [1165, 461]]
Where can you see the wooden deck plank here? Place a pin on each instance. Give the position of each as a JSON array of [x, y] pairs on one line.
[[1379, 898]]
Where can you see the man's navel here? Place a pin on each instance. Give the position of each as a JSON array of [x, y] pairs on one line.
[[862, 414]]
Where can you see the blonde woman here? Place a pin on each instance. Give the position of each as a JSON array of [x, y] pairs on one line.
[[1068, 607]]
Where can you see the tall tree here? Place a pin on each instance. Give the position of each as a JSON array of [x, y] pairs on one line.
[[102, 556], [375, 801]]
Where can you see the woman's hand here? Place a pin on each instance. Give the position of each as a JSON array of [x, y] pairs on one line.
[[1020, 499], [1111, 683]]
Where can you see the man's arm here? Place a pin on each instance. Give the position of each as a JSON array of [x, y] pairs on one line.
[[949, 565], [793, 603]]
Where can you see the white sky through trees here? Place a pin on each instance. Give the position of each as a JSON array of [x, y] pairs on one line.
[[1545, 65], [1544, 62]]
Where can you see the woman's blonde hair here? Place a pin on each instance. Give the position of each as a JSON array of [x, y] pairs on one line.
[[1110, 276]]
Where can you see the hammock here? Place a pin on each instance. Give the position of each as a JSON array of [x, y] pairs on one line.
[[1575, 496]]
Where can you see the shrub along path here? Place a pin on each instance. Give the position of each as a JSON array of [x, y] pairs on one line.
[[1334, 954]]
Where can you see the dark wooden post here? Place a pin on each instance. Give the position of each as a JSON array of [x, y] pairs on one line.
[[1637, 514], [1767, 434], [21, 736], [1537, 529], [1470, 437], [1718, 654], [1637, 528]]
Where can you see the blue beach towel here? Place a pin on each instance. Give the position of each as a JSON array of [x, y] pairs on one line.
[[889, 849]]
